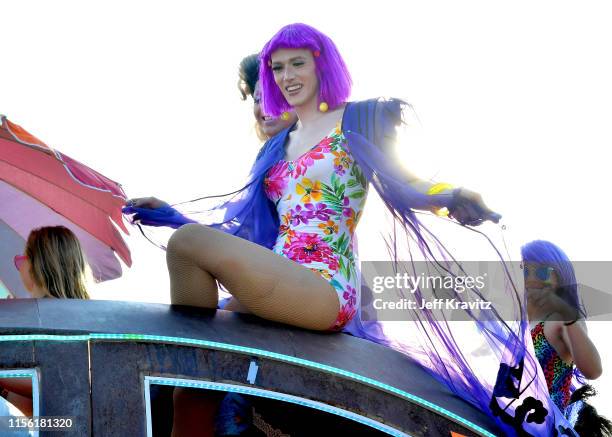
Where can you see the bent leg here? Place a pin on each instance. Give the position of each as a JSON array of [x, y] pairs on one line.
[[190, 282], [267, 284]]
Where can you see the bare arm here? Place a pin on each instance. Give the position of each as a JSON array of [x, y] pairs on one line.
[[147, 202], [584, 353], [468, 207]]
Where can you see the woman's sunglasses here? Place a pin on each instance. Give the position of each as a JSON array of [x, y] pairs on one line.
[[19, 260], [543, 273]]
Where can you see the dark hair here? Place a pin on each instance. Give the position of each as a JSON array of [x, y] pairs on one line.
[[248, 73], [589, 422]]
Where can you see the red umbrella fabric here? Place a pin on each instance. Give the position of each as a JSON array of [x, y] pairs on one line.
[[40, 186]]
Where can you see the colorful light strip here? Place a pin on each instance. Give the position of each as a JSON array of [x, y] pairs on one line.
[[257, 352], [10, 374]]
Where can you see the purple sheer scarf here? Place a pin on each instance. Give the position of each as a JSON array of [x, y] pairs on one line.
[[513, 392]]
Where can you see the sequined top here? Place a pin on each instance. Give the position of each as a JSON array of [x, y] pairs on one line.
[[557, 372]]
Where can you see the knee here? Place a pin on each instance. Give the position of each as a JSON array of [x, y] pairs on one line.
[[183, 239]]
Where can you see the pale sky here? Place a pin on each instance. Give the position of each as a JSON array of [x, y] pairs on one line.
[[514, 100]]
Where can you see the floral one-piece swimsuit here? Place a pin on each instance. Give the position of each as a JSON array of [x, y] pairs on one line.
[[319, 198]]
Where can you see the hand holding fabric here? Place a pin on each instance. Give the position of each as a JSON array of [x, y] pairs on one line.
[[146, 202], [469, 209], [152, 211]]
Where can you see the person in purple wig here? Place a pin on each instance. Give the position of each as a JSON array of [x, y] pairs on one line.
[[559, 333], [316, 188], [294, 260]]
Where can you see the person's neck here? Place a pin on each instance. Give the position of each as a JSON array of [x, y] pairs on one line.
[[308, 114], [40, 292]]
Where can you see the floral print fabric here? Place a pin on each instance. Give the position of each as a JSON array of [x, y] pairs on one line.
[[319, 198]]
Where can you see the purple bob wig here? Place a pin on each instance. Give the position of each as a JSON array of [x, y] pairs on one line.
[[545, 252], [334, 78]]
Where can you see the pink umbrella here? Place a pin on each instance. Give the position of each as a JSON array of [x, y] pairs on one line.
[[39, 186]]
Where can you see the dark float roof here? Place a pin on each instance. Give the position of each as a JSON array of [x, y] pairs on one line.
[[340, 351]]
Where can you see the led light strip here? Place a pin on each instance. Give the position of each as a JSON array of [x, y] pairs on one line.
[[193, 383], [257, 352]]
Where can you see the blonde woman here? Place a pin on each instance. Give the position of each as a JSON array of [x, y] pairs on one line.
[[53, 264]]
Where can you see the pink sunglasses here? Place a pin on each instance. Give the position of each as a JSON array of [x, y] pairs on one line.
[[19, 260]]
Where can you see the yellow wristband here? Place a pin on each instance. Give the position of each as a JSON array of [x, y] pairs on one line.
[[438, 188]]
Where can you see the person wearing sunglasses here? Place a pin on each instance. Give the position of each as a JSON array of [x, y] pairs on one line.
[[53, 264], [559, 333]]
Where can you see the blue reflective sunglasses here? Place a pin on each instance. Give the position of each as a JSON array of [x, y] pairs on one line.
[[543, 273]]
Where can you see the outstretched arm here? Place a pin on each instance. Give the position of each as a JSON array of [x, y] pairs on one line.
[[467, 207], [152, 211], [390, 116], [147, 202]]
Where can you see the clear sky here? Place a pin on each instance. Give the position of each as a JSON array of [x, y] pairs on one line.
[[514, 100]]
